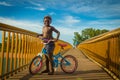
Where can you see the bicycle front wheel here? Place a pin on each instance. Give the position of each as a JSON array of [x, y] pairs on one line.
[[69, 64], [35, 65]]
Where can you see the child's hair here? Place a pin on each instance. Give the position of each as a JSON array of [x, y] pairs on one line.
[[48, 17]]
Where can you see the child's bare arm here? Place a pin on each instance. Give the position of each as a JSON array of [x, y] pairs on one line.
[[40, 36], [58, 33]]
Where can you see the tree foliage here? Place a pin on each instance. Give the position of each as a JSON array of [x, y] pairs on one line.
[[77, 38], [86, 34]]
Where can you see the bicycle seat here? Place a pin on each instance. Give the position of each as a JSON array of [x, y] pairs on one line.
[[62, 45]]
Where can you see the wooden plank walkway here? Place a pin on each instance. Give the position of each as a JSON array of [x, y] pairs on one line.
[[87, 70]]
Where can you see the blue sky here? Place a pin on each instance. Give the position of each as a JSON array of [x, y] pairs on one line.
[[68, 16]]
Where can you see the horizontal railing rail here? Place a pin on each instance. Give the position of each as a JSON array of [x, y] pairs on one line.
[[105, 49], [17, 48], [10, 28]]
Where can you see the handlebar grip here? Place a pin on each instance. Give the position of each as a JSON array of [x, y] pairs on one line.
[[45, 40]]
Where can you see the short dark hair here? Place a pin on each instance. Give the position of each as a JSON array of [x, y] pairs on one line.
[[48, 17]]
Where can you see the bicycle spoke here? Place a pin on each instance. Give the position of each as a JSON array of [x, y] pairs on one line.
[[69, 64]]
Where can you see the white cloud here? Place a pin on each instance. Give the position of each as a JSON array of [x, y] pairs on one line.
[[106, 11], [52, 13], [37, 8], [35, 3], [105, 22], [28, 25], [5, 4], [96, 8], [67, 31], [41, 9], [81, 9], [69, 20]]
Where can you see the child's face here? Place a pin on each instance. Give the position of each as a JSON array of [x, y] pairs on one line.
[[46, 22]]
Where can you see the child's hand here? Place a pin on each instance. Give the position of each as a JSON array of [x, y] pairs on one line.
[[39, 35], [55, 40], [51, 40]]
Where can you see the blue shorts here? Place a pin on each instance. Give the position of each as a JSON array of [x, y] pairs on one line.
[[50, 47]]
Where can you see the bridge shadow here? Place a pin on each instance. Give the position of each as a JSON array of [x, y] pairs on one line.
[[26, 77], [60, 75], [81, 72]]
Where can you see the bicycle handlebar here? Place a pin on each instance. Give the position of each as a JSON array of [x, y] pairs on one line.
[[45, 40]]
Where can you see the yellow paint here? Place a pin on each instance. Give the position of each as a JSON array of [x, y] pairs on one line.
[[105, 49]]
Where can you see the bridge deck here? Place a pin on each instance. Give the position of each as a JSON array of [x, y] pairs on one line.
[[87, 70]]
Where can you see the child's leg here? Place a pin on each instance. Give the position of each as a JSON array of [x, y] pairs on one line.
[[50, 48], [47, 65], [51, 62]]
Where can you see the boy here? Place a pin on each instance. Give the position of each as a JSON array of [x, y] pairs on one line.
[[47, 34]]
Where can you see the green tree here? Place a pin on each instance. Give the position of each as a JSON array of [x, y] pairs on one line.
[[86, 34], [104, 30], [90, 32], [77, 38]]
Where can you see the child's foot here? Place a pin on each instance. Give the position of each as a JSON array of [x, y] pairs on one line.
[[45, 71], [50, 73]]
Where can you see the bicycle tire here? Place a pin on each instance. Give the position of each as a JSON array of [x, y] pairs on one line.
[[38, 65], [66, 68]]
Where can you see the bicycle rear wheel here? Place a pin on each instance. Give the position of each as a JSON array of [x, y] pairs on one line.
[[35, 65], [69, 64]]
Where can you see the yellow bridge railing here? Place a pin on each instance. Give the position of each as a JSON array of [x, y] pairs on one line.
[[17, 48], [104, 49]]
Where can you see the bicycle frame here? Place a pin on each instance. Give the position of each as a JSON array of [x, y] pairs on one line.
[[65, 62], [57, 62], [55, 58]]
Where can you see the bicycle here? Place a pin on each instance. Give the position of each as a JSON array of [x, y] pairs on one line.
[[68, 63]]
